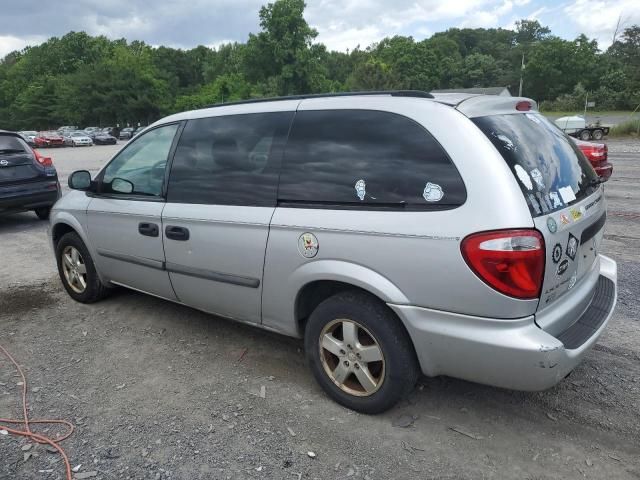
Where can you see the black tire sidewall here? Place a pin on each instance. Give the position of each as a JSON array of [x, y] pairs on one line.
[[401, 366], [95, 289], [43, 212]]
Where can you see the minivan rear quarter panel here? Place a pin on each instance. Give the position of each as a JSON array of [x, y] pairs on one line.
[[419, 252]]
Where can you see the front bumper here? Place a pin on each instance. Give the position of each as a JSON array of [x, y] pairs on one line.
[[514, 354]]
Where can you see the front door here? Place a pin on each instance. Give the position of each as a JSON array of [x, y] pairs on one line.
[[221, 197], [125, 215]]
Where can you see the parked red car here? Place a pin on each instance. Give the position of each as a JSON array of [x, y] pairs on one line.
[[597, 154], [49, 139]]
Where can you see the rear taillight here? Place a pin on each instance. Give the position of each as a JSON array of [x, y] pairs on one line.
[[595, 151], [44, 161], [510, 261]]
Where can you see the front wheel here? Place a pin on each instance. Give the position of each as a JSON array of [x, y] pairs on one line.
[[77, 270], [360, 353]]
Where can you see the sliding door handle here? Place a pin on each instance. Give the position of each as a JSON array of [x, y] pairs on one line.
[[177, 233]]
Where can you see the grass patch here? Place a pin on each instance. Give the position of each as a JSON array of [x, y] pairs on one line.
[[626, 129]]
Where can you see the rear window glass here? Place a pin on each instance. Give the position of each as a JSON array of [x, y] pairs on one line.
[[367, 159], [11, 144], [549, 167]]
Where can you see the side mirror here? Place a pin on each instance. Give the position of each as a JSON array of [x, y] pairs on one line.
[[80, 180], [120, 185]]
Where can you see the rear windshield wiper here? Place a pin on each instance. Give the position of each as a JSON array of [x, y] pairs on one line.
[[11, 150]]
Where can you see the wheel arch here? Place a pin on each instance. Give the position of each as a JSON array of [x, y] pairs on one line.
[[63, 222], [59, 230], [322, 281]]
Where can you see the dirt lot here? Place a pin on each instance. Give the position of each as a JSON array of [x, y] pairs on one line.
[[160, 391]]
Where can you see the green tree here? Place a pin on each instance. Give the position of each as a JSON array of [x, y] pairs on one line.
[[530, 31], [373, 75], [283, 57]]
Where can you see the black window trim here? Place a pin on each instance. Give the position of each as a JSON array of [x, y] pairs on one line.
[[328, 205], [142, 198]]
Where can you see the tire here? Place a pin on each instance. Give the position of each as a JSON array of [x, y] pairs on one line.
[[43, 212], [389, 380], [585, 135], [94, 289], [598, 134]]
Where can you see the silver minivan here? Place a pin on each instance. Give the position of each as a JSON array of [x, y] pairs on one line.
[[396, 232]]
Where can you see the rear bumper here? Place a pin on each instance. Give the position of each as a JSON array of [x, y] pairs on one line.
[[29, 196], [514, 354]]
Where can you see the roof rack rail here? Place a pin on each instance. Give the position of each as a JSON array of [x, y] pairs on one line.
[[393, 93]]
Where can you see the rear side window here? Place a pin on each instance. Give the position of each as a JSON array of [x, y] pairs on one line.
[[229, 160], [10, 144], [364, 158], [549, 167]]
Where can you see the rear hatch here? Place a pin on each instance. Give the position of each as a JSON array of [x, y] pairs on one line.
[[17, 161], [563, 193]]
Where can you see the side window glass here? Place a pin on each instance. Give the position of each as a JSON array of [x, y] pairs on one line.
[[367, 158], [139, 169], [229, 160]]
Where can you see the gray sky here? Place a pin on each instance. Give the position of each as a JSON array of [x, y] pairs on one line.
[[342, 24]]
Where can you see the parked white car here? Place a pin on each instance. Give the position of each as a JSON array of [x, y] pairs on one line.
[[78, 139]]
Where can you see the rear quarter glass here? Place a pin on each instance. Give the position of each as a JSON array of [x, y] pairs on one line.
[[548, 166], [11, 143]]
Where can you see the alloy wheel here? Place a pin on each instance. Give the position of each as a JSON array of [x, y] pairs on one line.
[[74, 269], [351, 357]]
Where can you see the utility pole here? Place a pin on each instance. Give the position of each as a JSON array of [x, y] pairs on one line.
[[586, 101], [521, 75]]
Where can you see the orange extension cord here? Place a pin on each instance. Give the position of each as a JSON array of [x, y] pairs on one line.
[[26, 422]]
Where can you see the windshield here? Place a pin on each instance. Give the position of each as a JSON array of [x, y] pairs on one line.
[[551, 170]]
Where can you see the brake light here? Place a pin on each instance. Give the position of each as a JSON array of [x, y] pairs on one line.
[[44, 161], [594, 151], [523, 106], [509, 261]]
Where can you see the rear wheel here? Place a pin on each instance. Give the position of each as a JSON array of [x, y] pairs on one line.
[[585, 135], [77, 270], [598, 134], [43, 212], [360, 353]]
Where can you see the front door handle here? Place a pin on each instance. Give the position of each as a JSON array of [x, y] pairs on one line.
[[148, 229], [177, 233]]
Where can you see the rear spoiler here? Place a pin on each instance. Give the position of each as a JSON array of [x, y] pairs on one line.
[[483, 105]]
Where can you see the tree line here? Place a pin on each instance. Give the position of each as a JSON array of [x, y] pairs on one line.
[[83, 80]]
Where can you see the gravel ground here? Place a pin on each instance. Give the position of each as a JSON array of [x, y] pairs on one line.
[[159, 391]]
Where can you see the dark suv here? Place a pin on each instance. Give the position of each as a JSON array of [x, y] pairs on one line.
[[28, 181]]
